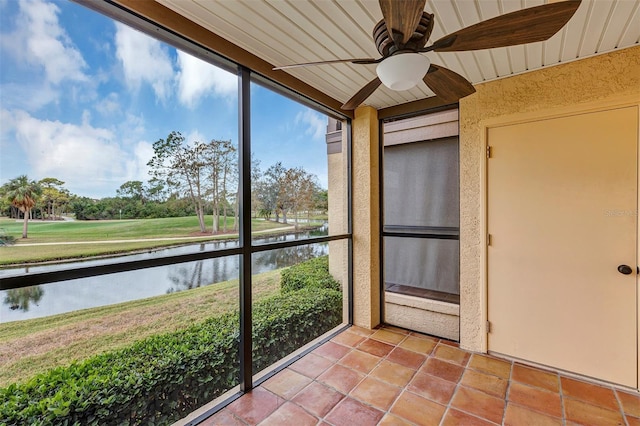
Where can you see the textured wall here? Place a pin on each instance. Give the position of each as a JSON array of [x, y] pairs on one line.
[[366, 218], [602, 78], [424, 315], [338, 250]]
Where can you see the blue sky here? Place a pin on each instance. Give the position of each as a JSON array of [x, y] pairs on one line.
[[83, 98]]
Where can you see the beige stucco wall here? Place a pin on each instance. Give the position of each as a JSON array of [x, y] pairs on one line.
[[424, 315], [366, 218], [338, 215], [603, 78]]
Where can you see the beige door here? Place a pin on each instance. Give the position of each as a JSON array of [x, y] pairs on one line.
[[562, 215]]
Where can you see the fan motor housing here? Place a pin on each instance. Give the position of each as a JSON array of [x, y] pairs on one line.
[[384, 42]]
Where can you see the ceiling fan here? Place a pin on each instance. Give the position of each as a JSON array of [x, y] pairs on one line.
[[401, 36]]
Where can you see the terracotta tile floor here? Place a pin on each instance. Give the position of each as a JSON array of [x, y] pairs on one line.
[[395, 377]]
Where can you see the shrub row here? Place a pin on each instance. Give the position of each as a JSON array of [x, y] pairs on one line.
[[162, 378], [313, 273]]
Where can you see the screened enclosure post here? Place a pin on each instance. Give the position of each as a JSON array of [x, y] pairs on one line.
[[382, 240], [244, 147], [350, 222]]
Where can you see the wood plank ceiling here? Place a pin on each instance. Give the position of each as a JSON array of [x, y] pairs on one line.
[[291, 31]]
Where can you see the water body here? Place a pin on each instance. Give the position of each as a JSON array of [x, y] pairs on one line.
[[67, 296]]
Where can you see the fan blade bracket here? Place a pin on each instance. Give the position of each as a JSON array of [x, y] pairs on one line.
[[443, 43]]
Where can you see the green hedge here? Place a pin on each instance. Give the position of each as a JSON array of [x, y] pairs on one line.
[[162, 378], [313, 273]]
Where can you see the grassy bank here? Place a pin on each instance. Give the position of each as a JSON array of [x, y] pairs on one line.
[[34, 346], [125, 236], [98, 230]]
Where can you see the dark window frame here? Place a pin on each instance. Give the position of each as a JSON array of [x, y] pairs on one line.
[[246, 247]]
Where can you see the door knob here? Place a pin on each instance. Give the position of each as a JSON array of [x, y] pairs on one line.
[[625, 269]]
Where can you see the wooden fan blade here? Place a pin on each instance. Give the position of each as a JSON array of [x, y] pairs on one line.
[[523, 26], [447, 85], [362, 94], [334, 61], [401, 18]]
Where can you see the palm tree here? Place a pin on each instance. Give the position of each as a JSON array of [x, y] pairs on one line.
[[23, 194]]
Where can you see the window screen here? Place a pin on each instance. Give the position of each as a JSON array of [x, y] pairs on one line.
[[421, 218]]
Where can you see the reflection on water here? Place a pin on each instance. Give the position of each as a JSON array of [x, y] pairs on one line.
[[21, 298], [72, 295]]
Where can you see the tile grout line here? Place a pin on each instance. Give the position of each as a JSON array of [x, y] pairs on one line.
[[395, 345], [348, 395], [402, 388], [562, 405], [620, 407], [506, 394], [314, 380], [457, 387]]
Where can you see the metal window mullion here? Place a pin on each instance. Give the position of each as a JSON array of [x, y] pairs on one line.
[[244, 150], [424, 236], [297, 243], [10, 282]]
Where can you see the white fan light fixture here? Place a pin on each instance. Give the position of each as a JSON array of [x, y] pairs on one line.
[[403, 71]]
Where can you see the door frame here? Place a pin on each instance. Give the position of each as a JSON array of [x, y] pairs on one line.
[[530, 116]]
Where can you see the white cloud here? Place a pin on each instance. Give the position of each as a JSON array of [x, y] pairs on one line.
[[6, 118], [132, 128], [136, 166], [28, 97], [315, 122], [40, 40], [195, 136], [144, 60], [197, 79], [109, 105], [88, 159]]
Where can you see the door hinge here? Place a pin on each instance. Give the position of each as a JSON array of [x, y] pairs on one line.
[[488, 151], [488, 239], [488, 326]]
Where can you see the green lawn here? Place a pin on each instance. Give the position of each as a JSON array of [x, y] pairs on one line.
[[184, 228], [42, 232], [34, 346]]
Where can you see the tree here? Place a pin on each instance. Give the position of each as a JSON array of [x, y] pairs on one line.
[[156, 190], [289, 196], [5, 204], [270, 189], [310, 194], [53, 196], [23, 194], [297, 192], [222, 164], [256, 176], [321, 200], [133, 189], [182, 167]]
